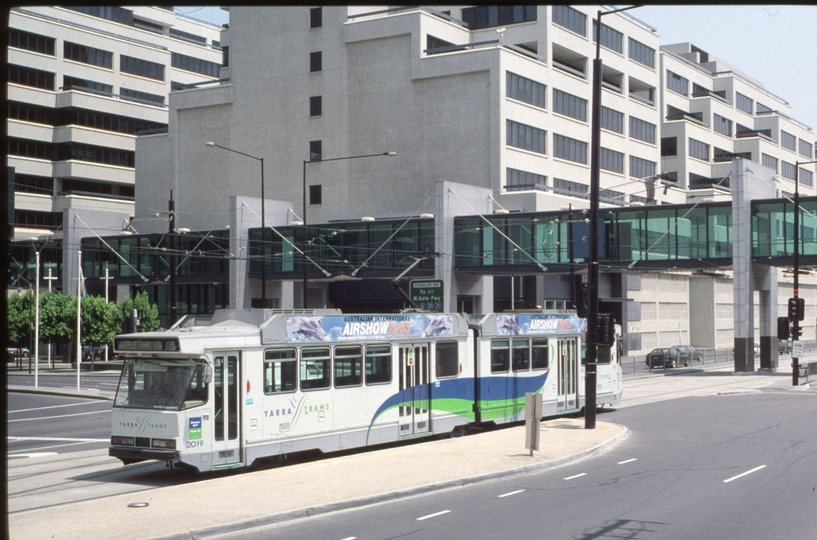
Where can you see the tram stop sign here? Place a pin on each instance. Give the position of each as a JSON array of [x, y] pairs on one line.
[[427, 294]]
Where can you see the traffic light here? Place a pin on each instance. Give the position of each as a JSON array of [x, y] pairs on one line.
[[782, 328], [797, 308], [607, 330]]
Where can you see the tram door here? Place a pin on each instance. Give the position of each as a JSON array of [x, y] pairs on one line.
[[226, 410], [415, 390], [568, 363]]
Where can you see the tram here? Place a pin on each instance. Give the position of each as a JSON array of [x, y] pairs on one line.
[[251, 384]]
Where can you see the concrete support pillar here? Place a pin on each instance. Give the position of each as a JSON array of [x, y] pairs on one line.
[[765, 278], [453, 199]]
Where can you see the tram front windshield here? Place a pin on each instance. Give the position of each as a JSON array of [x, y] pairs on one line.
[[161, 385]]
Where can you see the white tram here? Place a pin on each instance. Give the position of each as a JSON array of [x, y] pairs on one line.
[[256, 383]]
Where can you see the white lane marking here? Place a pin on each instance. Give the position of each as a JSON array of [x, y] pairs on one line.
[[433, 515], [33, 455], [54, 406], [575, 476], [510, 493], [627, 461], [743, 474], [351, 538], [58, 416]]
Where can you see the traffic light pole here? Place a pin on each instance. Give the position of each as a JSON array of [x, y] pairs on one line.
[[800, 307]]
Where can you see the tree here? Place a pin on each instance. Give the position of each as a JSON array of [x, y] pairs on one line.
[[101, 321], [56, 313], [148, 313], [20, 309]]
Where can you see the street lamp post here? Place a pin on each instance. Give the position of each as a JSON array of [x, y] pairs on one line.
[[389, 154], [795, 331], [593, 259], [263, 223]]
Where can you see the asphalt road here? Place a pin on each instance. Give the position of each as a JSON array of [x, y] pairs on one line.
[[724, 466]]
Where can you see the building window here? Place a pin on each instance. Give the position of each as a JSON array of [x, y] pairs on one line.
[[315, 106], [225, 57], [762, 109], [30, 77], [186, 36], [24, 183], [516, 180], [612, 120], [677, 84], [641, 53], [141, 97], [30, 113], [196, 65], [722, 125], [525, 90], [490, 16], [315, 150], [315, 61], [641, 130], [315, 17], [569, 188], [569, 105], [525, 137], [698, 150], [315, 195], [806, 177], [30, 149], [611, 39], [769, 161], [787, 170], [569, 18], [610, 160], [669, 146], [806, 148], [143, 68], [111, 13], [19, 39], [569, 149], [743, 103], [641, 168], [73, 83], [788, 140]]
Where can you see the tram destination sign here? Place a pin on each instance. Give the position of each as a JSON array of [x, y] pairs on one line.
[[427, 294], [145, 344]]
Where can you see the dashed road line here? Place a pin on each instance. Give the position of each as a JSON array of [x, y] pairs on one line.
[[744, 474], [575, 476], [433, 515], [510, 493]]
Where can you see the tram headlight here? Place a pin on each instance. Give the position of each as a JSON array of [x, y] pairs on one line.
[[164, 443], [123, 441]]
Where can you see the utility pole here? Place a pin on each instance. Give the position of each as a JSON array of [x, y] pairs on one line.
[[172, 233], [105, 279]]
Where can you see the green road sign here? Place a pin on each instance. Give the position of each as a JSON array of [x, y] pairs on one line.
[[427, 294]]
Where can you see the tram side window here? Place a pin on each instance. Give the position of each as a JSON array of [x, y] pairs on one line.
[[348, 366], [280, 372], [521, 355], [315, 369], [500, 355], [378, 364], [448, 362], [603, 354], [539, 350]]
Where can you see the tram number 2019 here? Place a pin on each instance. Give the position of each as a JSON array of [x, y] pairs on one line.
[[195, 444]]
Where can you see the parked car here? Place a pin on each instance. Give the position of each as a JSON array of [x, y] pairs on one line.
[[665, 357], [694, 354], [783, 346]]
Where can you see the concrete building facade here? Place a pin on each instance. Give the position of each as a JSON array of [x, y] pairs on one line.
[[489, 100]]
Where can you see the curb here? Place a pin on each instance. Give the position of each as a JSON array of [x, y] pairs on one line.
[[244, 525]]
